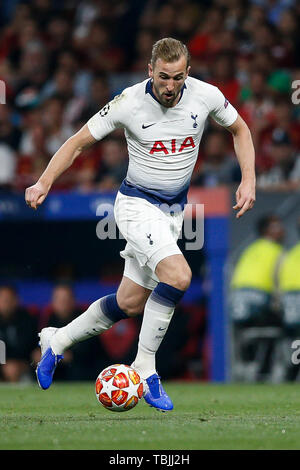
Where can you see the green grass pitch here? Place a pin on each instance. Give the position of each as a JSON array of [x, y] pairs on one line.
[[206, 416]]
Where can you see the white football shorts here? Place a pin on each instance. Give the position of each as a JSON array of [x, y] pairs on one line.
[[151, 236]]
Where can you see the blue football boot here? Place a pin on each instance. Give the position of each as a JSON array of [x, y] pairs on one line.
[[47, 365], [155, 394]]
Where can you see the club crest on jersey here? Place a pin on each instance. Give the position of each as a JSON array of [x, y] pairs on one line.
[[194, 118]]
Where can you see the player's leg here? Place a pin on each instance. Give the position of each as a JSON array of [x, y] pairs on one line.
[[174, 275], [129, 301], [132, 297], [152, 235]]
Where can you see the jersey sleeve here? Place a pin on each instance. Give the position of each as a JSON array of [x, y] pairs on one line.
[[112, 116], [220, 109]]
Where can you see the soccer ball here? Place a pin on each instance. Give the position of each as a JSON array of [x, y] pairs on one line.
[[119, 388]]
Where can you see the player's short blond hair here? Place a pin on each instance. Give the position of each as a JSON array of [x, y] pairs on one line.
[[169, 50]]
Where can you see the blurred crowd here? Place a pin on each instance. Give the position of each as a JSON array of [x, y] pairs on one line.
[[62, 61], [265, 305], [181, 356]]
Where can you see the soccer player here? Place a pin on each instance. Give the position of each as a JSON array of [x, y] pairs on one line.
[[163, 118]]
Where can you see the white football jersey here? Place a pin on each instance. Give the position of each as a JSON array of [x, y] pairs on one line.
[[162, 142]]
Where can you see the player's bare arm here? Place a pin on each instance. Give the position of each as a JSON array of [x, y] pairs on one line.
[[61, 160], [244, 149]]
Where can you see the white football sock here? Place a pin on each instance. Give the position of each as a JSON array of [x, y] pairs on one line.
[[156, 321], [90, 323]]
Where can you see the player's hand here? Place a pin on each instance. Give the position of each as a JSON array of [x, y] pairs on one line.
[[36, 194], [245, 197]]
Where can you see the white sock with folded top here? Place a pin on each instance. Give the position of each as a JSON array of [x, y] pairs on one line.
[[158, 313]]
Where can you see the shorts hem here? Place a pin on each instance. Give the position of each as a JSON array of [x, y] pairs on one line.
[[161, 254], [137, 281]]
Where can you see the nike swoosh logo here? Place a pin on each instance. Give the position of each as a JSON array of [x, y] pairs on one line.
[[161, 329], [149, 125]]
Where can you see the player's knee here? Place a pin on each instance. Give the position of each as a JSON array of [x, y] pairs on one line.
[[131, 306], [183, 280], [180, 279], [175, 271]]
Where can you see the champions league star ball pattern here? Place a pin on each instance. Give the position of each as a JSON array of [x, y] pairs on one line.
[[119, 388]]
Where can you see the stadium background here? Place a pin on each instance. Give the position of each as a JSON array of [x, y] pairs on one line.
[[61, 62]]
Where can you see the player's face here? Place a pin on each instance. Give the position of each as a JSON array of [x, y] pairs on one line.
[[168, 80]]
